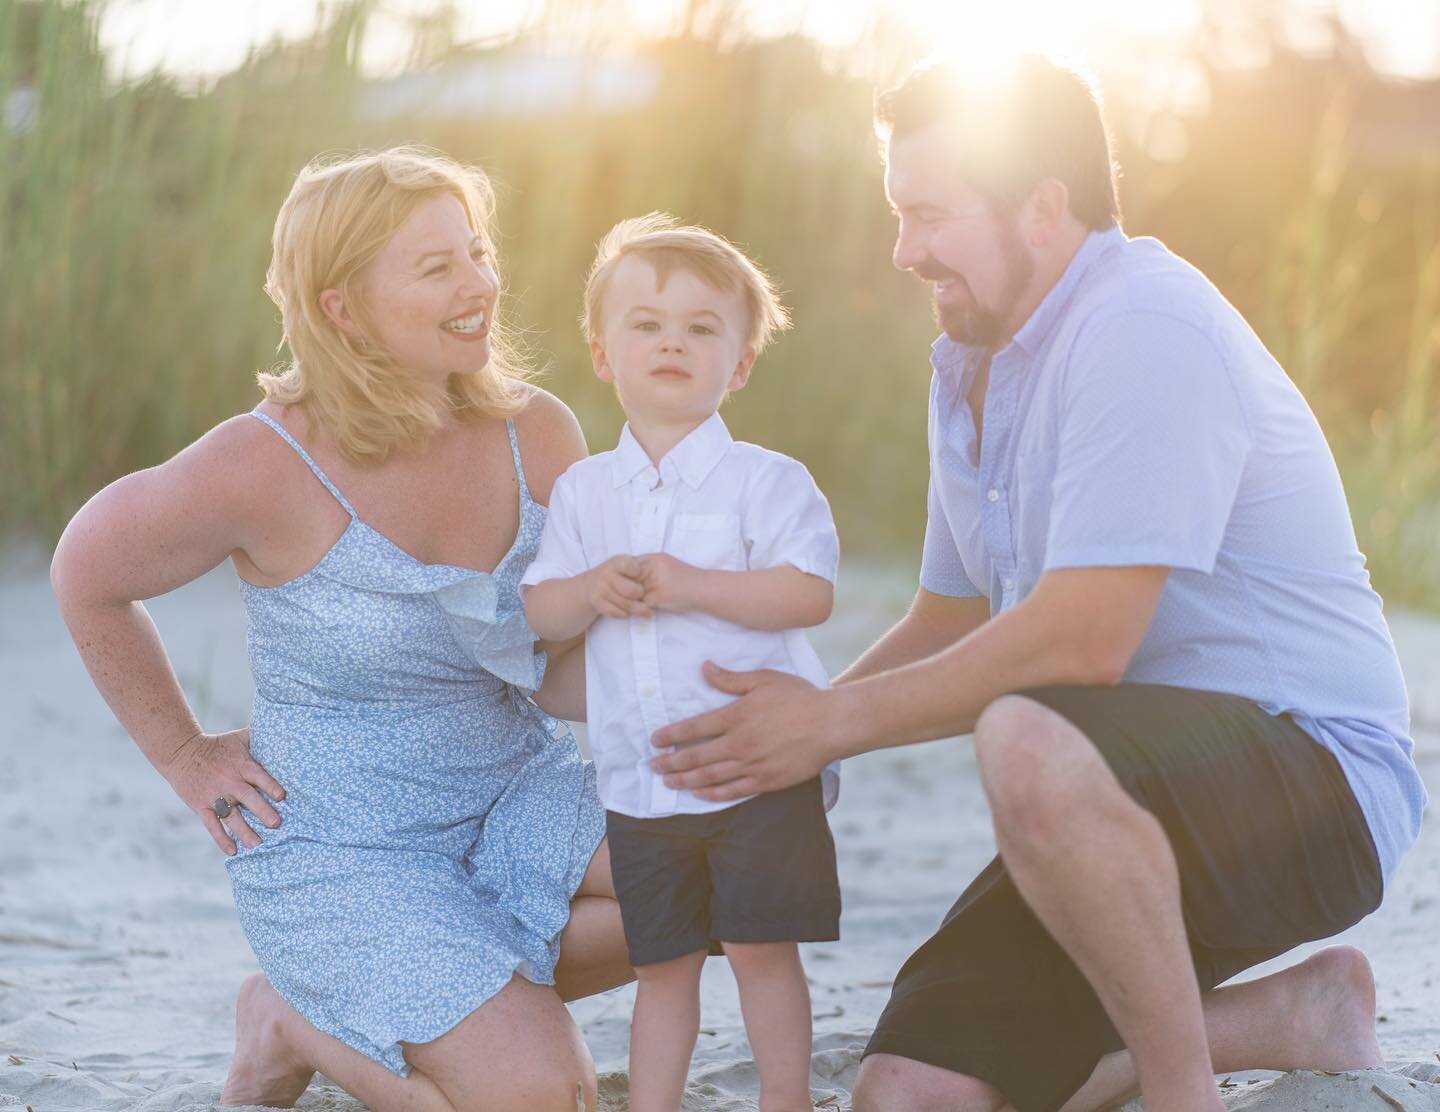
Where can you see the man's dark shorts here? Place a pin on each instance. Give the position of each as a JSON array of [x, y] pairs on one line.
[[761, 871], [1272, 851]]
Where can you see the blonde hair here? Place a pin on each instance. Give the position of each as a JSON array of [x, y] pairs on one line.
[[338, 216], [667, 245]]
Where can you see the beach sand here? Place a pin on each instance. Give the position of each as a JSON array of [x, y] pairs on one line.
[[120, 952]]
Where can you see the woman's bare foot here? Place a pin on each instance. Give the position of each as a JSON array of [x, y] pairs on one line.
[[1318, 1015], [264, 1069]]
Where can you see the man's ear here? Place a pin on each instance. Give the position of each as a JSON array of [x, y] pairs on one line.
[[332, 304], [599, 361], [1045, 211], [742, 370]]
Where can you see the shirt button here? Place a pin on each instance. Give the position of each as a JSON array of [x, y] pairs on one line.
[[647, 692], [1008, 583], [993, 494]]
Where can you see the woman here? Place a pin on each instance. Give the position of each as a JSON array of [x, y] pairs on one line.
[[415, 847]]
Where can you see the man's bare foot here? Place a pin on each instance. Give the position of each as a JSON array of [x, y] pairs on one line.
[[1333, 1012], [264, 1069], [1319, 1014]]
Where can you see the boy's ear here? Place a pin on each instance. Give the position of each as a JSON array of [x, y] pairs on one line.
[[600, 362], [332, 304], [742, 370]]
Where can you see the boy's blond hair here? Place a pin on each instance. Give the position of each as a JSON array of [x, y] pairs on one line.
[[340, 213], [668, 245]]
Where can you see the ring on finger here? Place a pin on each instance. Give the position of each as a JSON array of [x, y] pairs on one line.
[[223, 806]]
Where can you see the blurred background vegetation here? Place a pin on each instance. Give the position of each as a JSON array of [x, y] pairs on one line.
[[135, 212]]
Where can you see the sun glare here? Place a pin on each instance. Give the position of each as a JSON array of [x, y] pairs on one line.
[[982, 30], [198, 38]]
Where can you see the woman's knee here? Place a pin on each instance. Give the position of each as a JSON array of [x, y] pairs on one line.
[[890, 1083], [518, 1051]]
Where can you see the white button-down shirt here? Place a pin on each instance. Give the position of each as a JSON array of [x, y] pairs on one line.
[[713, 502]]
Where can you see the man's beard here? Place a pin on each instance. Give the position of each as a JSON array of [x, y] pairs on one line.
[[988, 326]]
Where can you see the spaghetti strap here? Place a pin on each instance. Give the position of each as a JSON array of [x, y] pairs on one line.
[[515, 452], [315, 467]]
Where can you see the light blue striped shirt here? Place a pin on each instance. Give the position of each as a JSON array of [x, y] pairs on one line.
[[1136, 419]]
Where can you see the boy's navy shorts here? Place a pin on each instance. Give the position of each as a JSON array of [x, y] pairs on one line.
[[761, 871]]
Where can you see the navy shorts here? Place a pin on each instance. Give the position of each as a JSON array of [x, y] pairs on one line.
[[1272, 851], [761, 871]]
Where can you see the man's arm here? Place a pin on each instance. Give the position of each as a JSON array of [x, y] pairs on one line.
[[933, 623], [1078, 626]]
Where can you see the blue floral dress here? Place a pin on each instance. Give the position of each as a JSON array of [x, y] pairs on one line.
[[436, 822]]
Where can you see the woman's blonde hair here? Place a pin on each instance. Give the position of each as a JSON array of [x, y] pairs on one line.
[[667, 245], [339, 215]]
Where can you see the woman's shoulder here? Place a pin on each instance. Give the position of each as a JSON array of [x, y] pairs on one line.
[[550, 440], [255, 443], [221, 476], [244, 459]]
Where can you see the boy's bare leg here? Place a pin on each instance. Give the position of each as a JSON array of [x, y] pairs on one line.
[[663, 1031], [1098, 871], [775, 1001]]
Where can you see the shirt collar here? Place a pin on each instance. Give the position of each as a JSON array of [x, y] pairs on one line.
[[692, 459], [952, 359]]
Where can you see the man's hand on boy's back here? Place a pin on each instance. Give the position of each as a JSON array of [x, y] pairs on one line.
[[778, 732]]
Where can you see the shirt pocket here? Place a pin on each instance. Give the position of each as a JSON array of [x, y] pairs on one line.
[[708, 541]]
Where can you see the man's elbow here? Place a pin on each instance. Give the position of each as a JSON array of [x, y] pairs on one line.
[[1108, 673], [1100, 661]]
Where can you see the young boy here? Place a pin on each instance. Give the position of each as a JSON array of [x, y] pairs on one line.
[[680, 546]]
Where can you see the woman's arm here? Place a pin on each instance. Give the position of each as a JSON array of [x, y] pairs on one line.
[[142, 536], [563, 692], [550, 441]]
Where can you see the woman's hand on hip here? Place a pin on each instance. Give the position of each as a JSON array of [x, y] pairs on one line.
[[207, 769]]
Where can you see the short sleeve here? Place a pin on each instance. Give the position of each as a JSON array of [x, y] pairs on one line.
[[942, 572], [1152, 444], [787, 520], [560, 554]]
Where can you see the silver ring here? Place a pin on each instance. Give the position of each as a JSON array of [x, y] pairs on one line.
[[222, 808]]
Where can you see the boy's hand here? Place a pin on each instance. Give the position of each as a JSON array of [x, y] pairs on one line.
[[615, 590], [669, 583]]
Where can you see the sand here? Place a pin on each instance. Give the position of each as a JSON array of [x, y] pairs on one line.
[[120, 952]]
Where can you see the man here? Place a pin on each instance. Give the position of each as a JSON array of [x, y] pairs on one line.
[[1141, 590]]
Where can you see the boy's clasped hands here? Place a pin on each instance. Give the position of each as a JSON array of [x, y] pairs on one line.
[[637, 586]]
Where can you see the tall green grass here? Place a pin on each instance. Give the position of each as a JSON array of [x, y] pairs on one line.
[[135, 218]]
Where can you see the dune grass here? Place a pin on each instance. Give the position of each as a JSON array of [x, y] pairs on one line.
[[135, 221]]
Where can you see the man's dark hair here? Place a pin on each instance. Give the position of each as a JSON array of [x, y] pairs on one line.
[[1040, 120]]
